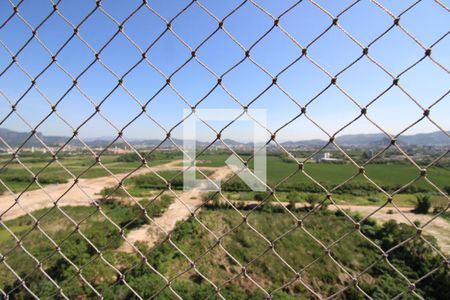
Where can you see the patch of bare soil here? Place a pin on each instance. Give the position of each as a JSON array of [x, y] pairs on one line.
[[67, 194], [179, 210]]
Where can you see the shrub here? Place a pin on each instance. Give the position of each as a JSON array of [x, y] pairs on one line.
[[214, 197], [48, 179], [438, 209], [260, 196], [148, 181], [113, 192], [128, 157], [423, 204], [235, 185], [292, 196], [312, 199], [447, 189], [26, 178], [373, 199]]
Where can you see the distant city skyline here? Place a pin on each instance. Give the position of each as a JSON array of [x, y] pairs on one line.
[[364, 81]]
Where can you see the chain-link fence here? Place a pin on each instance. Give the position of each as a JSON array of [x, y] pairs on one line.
[[81, 224]]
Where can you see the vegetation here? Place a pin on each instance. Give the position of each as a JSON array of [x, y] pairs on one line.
[[383, 172], [16, 177], [423, 204], [149, 157], [145, 185], [80, 245], [100, 232], [446, 215], [414, 259], [389, 175], [312, 200], [113, 193]]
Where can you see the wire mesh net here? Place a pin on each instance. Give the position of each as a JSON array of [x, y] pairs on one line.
[[121, 246]]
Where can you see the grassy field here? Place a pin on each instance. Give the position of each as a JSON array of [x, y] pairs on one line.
[[297, 248], [401, 200], [94, 226], [358, 191], [387, 174], [17, 178], [390, 176], [147, 185]]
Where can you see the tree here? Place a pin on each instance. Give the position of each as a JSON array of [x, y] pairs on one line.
[[312, 199], [423, 204], [260, 196]]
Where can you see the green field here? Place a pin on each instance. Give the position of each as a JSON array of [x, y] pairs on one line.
[[245, 248], [147, 184], [386, 174], [401, 200], [390, 176], [17, 178], [93, 226]]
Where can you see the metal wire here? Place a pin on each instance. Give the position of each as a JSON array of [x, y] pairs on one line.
[[54, 104]]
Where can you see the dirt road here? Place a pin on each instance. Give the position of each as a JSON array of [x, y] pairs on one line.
[[179, 210], [80, 194], [87, 189]]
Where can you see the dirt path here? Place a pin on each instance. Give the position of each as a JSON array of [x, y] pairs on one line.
[[87, 189], [79, 195], [177, 211]]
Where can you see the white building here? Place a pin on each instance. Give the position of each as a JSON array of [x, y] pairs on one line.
[[324, 157]]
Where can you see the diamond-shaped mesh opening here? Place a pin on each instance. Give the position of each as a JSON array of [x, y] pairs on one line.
[[95, 98]]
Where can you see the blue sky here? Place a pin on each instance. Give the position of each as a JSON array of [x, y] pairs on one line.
[[396, 51]]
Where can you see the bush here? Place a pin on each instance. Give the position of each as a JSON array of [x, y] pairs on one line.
[[48, 179], [447, 189], [28, 178], [128, 157], [235, 185], [260, 196], [373, 199], [312, 199], [292, 196], [154, 208], [113, 192], [214, 197], [423, 204], [438, 209], [148, 181]]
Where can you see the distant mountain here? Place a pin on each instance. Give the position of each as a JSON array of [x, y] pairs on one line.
[[434, 138], [373, 139], [16, 139], [304, 143], [438, 138]]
